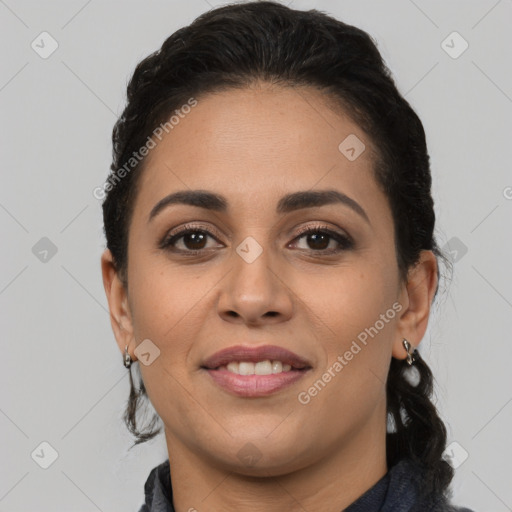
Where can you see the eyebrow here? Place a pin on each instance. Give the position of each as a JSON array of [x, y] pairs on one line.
[[289, 203]]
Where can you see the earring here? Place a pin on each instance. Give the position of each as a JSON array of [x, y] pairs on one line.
[[127, 358], [410, 353]]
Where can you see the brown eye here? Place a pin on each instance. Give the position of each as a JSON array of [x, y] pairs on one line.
[[192, 240], [318, 240]]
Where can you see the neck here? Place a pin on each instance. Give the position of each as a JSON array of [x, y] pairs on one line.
[[330, 484]]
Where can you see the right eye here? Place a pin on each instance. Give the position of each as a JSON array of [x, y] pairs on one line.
[[192, 238]]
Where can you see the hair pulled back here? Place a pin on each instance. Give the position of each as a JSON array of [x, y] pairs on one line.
[[238, 45]]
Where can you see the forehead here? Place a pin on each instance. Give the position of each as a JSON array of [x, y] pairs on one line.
[[251, 143]]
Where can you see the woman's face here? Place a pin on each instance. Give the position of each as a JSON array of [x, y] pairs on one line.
[[246, 277]]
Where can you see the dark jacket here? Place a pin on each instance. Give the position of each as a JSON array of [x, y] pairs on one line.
[[396, 491]]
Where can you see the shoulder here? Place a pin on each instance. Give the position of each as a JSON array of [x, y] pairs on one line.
[[157, 490], [428, 502]]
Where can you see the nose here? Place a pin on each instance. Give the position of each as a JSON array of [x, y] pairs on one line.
[[256, 292]]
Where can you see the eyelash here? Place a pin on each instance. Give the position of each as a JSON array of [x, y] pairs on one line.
[[344, 241]]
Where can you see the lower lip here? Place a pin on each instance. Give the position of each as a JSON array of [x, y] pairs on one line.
[[255, 385]]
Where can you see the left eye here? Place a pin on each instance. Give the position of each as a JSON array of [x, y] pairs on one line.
[[319, 240]]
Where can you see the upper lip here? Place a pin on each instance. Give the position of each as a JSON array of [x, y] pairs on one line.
[[255, 354]]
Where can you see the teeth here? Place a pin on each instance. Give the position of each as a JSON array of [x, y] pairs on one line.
[[277, 367], [266, 367], [232, 367], [262, 368], [246, 368]]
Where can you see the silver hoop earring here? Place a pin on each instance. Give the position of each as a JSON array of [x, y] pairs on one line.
[[410, 352], [127, 358]]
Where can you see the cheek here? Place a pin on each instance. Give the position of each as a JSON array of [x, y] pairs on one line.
[[158, 294], [357, 331], [158, 304], [348, 301], [358, 322], [166, 305], [170, 305]]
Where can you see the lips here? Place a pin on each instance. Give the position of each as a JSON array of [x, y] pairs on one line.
[[255, 354], [252, 386]]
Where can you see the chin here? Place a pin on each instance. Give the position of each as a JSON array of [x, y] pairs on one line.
[[262, 457]]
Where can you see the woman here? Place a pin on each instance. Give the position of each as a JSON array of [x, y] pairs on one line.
[[271, 264]]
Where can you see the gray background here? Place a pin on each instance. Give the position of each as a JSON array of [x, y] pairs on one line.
[[63, 381]]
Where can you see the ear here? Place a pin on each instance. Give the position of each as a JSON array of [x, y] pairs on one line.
[[416, 298], [117, 297]]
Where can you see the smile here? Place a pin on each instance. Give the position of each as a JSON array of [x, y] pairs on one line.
[[266, 367], [253, 385], [255, 371]]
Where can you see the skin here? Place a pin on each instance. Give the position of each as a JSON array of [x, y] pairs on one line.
[[253, 146]]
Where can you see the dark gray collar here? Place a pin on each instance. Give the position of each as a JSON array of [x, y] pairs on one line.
[[399, 490]]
